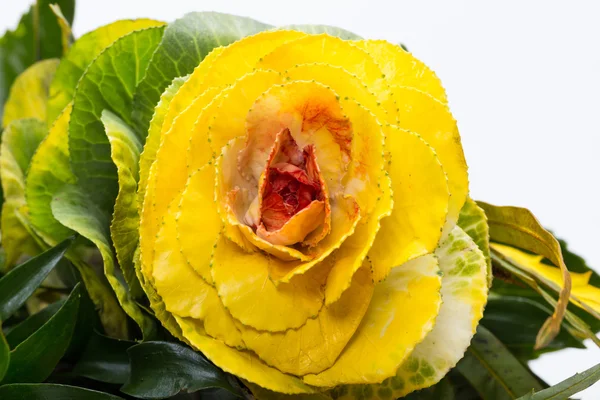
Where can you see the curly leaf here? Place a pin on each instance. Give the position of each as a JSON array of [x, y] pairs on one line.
[[186, 42], [83, 52], [19, 142], [51, 391], [125, 152], [493, 371], [568, 387], [29, 93], [34, 359], [161, 369], [74, 209], [107, 84], [37, 37], [21, 282], [518, 227]]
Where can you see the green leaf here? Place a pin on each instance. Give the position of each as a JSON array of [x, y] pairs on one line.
[[161, 369], [34, 359], [105, 360], [330, 30], [493, 371], [185, 44], [29, 93], [66, 37], [74, 209], [48, 172], [107, 84], [125, 153], [81, 54], [516, 320], [19, 142], [473, 221], [568, 387], [442, 391], [4, 355], [21, 282], [26, 328], [518, 227], [51, 391], [37, 37]]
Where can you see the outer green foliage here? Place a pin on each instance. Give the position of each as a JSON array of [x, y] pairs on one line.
[[19, 142], [37, 37], [26, 328], [75, 210], [107, 84], [4, 355], [34, 359], [21, 282], [493, 371], [105, 360], [161, 369], [186, 42], [568, 387], [45, 392], [83, 52], [125, 152]]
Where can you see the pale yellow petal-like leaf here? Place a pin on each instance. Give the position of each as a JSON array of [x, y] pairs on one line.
[[402, 69], [316, 345], [402, 312], [431, 119], [421, 200], [242, 364]]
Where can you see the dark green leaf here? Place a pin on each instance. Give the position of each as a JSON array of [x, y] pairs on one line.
[[107, 84], [26, 328], [54, 392], [4, 355], [493, 371], [568, 387], [21, 282], [105, 360], [185, 44], [330, 30], [161, 369], [31, 42], [33, 360]]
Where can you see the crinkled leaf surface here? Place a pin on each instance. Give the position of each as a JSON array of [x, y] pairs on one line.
[[518, 227], [31, 42], [161, 369], [34, 359], [125, 152], [29, 93], [83, 52], [75, 210], [21, 282], [46, 391], [473, 221], [49, 170], [185, 43], [493, 371], [107, 84], [19, 142]]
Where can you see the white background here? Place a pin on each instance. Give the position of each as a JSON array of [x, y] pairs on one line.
[[523, 81]]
